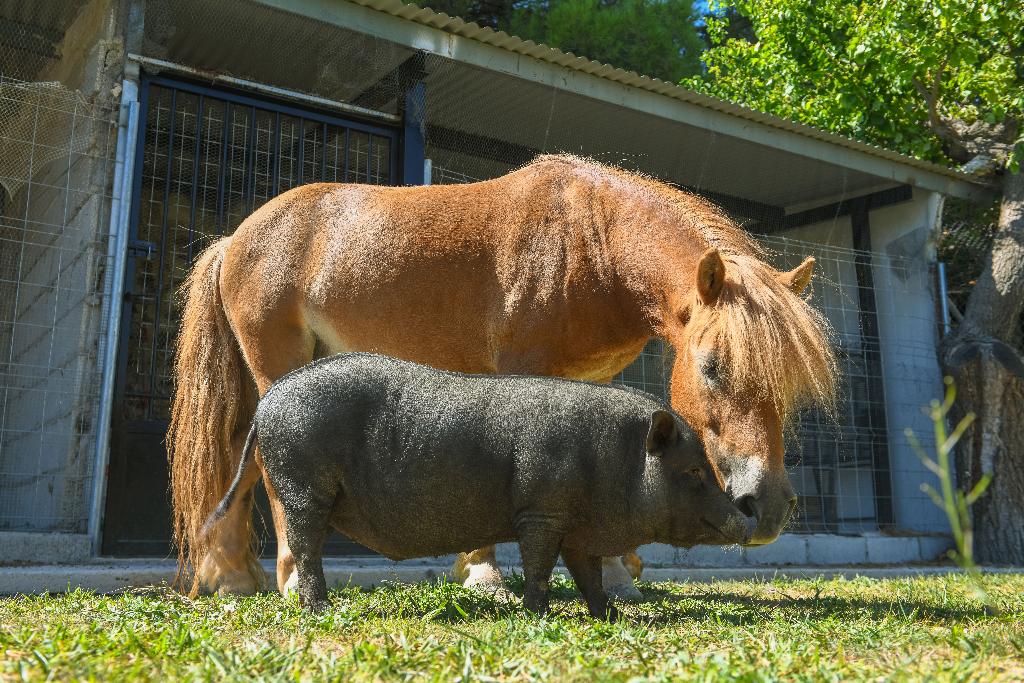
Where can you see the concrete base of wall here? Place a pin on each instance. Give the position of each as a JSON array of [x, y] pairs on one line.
[[44, 548], [788, 550], [792, 555]]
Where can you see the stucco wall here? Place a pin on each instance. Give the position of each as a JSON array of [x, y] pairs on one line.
[[902, 236]]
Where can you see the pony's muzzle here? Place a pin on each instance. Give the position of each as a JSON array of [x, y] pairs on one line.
[[751, 528]]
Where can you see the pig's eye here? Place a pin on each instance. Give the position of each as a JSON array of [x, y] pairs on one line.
[[696, 471]]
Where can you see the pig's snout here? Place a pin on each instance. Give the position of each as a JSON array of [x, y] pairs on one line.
[[738, 529]]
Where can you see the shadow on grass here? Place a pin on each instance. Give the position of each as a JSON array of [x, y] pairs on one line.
[[450, 603], [447, 602], [745, 609]]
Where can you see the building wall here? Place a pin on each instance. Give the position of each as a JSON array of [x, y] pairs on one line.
[[54, 255], [910, 377], [905, 289]]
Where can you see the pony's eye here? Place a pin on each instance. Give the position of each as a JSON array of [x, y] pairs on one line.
[[712, 370]]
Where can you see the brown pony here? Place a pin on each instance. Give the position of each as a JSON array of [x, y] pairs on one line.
[[564, 267]]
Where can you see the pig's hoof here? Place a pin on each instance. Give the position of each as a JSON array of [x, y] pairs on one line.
[[625, 591], [316, 606], [485, 578]]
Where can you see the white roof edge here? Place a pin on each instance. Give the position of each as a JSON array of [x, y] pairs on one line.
[[424, 29]]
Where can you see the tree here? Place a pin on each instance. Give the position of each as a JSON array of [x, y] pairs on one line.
[[727, 23], [941, 80], [652, 37]]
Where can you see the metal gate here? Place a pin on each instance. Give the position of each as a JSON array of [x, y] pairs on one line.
[[206, 159]]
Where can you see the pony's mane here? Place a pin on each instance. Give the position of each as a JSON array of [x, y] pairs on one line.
[[773, 345], [707, 218]]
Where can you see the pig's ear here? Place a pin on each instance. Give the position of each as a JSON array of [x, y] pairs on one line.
[[664, 432]]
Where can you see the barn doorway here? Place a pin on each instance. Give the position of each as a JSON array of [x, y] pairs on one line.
[[206, 158]]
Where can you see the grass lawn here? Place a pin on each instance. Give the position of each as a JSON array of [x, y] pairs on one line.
[[902, 629]]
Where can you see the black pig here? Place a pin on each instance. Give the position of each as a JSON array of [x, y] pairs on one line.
[[412, 462]]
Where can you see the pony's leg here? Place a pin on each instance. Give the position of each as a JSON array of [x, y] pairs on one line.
[[270, 352], [227, 566], [618, 573], [287, 578], [634, 565], [479, 570], [617, 580]]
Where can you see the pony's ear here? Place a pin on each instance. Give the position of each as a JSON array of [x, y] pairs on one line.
[[798, 278], [662, 433], [710, 276]]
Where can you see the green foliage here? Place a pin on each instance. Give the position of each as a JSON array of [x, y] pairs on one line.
[[868, 69], [924, 628], [652, 37]]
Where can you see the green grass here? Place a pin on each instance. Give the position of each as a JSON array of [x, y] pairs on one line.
[[902, 629]]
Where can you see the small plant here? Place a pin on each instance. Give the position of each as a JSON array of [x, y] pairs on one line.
[[951, 500]]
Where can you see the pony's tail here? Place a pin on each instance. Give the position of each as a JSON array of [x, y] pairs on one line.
[[211, 398]]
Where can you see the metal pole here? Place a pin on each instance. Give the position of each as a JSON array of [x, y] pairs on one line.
[[117, 257], [160, 65], [944, 298]]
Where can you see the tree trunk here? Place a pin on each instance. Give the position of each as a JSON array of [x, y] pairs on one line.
[[989, 376]]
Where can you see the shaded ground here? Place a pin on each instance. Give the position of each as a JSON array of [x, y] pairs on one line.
[[900, 629]]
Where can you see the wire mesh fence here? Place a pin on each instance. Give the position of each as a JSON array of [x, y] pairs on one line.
[[56, 151], [208, 160]]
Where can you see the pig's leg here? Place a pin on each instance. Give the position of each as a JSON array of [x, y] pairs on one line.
[[539, 550], [586, 572], [307, 525]]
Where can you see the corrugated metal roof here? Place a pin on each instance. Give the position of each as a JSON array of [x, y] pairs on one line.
[[545, 53]]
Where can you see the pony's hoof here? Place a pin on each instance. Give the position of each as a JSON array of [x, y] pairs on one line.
[[237, 585], [625, 591], [497, 591], [213, 579], [617, 581], [291, 585], [484, 577]]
